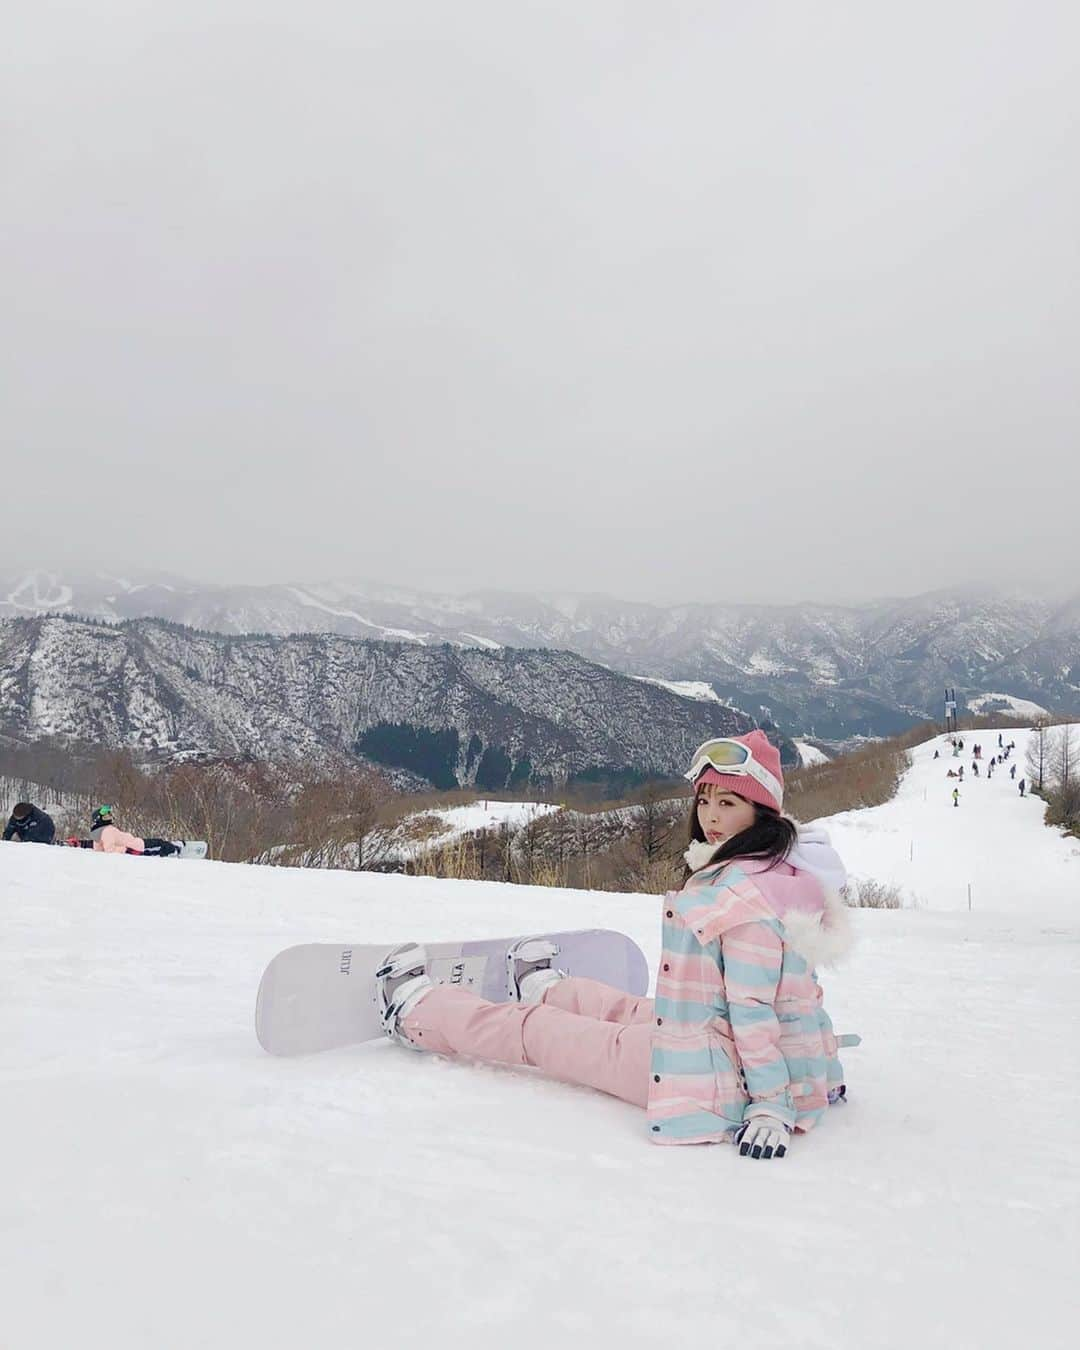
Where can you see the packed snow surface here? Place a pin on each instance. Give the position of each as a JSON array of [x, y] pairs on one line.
[[170, 1185]]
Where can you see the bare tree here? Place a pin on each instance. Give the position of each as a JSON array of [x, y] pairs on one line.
[[506, 849], [335, 821], [561, 838], [528, 844], [587, 841], [655, 823], [1063, 806], [644, 855], [120, 782], [1037, 759], [480, 844], [1064, 755], [360, 821]]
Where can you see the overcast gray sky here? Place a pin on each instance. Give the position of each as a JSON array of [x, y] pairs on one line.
[[710, 301]]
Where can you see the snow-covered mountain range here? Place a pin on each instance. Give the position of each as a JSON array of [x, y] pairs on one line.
[[437, 714], [829, 670]]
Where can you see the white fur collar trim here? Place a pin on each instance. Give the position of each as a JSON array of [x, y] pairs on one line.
[[699, 854], [821, 939]]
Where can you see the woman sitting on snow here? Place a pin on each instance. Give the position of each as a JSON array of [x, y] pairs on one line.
[[737, 1045]]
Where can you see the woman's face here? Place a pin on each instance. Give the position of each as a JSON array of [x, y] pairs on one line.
[[722, 813]]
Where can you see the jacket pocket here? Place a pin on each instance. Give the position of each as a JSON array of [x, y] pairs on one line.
[[729, 1087]]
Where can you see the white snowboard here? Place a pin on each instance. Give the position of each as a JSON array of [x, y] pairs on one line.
[[189, 848], [321, 996]]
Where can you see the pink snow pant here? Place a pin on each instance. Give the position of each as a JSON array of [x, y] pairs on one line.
[[583, 1032]]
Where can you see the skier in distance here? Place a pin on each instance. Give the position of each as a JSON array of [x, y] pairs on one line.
[[709, 1057]]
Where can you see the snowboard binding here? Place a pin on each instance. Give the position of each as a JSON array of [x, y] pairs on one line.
[[529, 970], [401, 981]]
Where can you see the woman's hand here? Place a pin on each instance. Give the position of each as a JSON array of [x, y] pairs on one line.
[[763, 1136]]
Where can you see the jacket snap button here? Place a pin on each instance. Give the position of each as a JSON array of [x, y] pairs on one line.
[[666, 966], [670, 914], [656, 1129], [659, 1021], [656, 1078]]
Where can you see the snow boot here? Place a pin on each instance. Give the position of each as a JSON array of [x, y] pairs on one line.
[[529, 970], [401, 981]]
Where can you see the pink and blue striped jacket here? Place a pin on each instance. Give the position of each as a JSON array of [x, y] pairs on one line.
[[740, 1024]]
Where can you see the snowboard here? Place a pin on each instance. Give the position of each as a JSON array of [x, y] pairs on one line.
[[189, 848], [321, 996]]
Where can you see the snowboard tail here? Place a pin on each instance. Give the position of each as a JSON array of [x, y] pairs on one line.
[[190, 848], [321, 996]]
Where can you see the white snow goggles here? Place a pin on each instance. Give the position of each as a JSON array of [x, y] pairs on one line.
[[736, 759]]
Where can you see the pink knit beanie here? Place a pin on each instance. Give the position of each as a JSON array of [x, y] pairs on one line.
[[767, 756]]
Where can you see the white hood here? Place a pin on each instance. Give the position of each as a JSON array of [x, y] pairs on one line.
[[826, 940], [813, 853]]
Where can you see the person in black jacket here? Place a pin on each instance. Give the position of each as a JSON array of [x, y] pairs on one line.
[[30, 825]]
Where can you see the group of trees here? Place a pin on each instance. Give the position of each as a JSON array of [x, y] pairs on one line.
[[1053, 770], [616, 846]]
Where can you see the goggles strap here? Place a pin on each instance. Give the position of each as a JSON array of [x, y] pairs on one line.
[[751, 769]]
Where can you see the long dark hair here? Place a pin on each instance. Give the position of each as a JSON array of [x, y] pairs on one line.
[[769, 838]]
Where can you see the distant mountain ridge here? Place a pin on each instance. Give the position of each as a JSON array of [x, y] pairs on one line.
[[442, 715], [825, 670]]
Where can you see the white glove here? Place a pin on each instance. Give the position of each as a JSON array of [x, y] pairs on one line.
[[762, 1136]]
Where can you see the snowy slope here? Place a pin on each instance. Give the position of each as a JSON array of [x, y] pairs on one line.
[[810, 754], [489, 815], [699, 689], [170, 1186], [455, 822], [993, 841], [1006, 703]]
